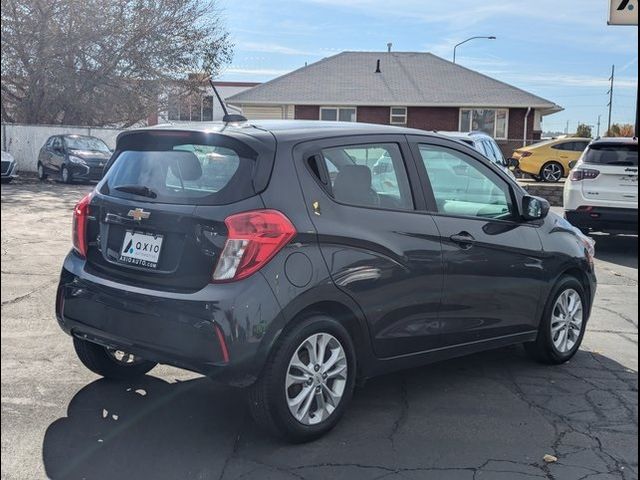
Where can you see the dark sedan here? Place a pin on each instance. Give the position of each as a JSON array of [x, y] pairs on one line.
[[73, 157]]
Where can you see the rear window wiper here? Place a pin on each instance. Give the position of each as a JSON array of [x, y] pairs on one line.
[[141, 190]]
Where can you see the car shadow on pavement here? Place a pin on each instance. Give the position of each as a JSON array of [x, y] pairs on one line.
[[495, 413], [619, 249]]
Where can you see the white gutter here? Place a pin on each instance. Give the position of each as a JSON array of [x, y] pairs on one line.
[[526, 127]]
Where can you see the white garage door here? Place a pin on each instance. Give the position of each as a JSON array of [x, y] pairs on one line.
[[263, 113]]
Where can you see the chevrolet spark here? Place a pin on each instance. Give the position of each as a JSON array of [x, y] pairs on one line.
[[275, 256]]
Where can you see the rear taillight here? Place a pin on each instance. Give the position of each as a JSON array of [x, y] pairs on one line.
[[525, 154], [580, 174], [79, 231], [253, 239]]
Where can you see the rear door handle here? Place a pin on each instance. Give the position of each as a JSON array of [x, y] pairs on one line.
[[464, 239]]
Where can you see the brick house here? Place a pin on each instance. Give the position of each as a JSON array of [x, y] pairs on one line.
[[418, 90]]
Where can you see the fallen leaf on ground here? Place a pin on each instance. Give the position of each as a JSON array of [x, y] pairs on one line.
[[550, 458]]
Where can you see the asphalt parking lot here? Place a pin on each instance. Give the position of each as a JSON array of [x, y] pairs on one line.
[[490, 416]]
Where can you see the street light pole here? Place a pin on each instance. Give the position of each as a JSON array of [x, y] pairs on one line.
[[468, 40]]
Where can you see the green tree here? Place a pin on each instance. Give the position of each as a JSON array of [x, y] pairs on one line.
[[104, 62], [584, 131]]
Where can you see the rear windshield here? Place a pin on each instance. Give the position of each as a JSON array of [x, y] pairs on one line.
[[182, 171], [612, 154]]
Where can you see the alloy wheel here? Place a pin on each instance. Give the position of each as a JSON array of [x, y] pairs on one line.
[[567, 321], [65, 174], [316, 379], [552, 172]]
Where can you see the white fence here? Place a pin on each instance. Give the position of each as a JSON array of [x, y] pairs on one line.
[[24, 141]]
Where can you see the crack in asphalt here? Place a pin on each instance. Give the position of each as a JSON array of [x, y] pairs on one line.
[[30, 293]]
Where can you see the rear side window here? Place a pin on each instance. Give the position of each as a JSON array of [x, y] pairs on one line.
[[369, 176], [182, 172], [612, 154]]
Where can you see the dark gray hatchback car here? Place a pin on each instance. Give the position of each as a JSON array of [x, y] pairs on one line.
[[280, 256]]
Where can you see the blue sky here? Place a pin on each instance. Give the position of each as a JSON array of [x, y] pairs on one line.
[[559, 49]]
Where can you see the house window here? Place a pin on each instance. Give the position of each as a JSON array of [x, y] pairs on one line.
[[398, 115], [190, 108], [342, 114], [492, 121]]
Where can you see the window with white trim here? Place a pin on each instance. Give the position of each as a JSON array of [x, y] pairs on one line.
[[492, 121], [335, 114], [190, 108], [398, 115]]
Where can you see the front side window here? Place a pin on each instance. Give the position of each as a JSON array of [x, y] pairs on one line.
[[398, 115], [371, 175], [462, 187], [491, 121], [342, 114]]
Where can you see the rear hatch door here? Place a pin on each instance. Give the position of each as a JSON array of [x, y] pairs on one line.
[[158, 215], [618, 177]]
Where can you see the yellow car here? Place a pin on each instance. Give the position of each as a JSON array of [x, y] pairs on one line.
[[549, 161]]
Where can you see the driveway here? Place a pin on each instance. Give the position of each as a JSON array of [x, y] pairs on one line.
[[489, 416]]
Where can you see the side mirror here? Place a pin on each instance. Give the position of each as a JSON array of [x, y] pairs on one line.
[[572, 164], [513, 163], [535, 208]]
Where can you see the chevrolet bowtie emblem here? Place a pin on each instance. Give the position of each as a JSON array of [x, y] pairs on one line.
[[138, 214]]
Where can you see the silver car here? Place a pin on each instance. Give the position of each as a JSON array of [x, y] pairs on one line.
[[9, 167]]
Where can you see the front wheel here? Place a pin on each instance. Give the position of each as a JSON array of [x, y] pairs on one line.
[[307, 382], [563, 325], [65, 175], [110, 363]]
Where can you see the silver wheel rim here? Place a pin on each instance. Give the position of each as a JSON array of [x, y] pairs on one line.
[[65, 175], [552, 172], [567, 321], [40, 171], [122, 357], [316, 379]]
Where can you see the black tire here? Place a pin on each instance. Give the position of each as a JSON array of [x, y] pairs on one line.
[[543, 348], [7, 180], [66, 178], [98, 359], [42, 175], [268, 397], [546, 178]]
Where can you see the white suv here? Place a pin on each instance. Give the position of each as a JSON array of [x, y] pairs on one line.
[[601, 193]]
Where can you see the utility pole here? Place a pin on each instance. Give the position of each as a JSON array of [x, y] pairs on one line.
[[566, 129], [598, 134], [610, 92]]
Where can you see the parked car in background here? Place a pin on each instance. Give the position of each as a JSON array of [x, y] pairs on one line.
[[485, 144], [73, 157], [549, 161], [601, 193], [284, 266], [9, 167]]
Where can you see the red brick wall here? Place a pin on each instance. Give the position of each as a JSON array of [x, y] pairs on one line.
[[307, 112], [374, 115], [516, 130], [433, 118]]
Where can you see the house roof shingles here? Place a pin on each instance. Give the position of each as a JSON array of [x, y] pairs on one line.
[[406, 79]]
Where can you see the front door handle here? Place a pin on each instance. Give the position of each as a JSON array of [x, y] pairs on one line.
[[464, 239]]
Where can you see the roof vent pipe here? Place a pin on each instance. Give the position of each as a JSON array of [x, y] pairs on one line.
[[389, 45], [378, 66]]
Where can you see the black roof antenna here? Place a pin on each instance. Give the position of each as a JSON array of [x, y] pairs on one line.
[[228, 117]]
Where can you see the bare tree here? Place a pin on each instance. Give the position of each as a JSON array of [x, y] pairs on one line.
[[104, 62]]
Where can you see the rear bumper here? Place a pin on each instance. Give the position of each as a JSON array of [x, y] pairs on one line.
[[604, 219], [216, 331]]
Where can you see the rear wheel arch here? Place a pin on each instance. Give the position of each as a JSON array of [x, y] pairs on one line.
[[339, 312]]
